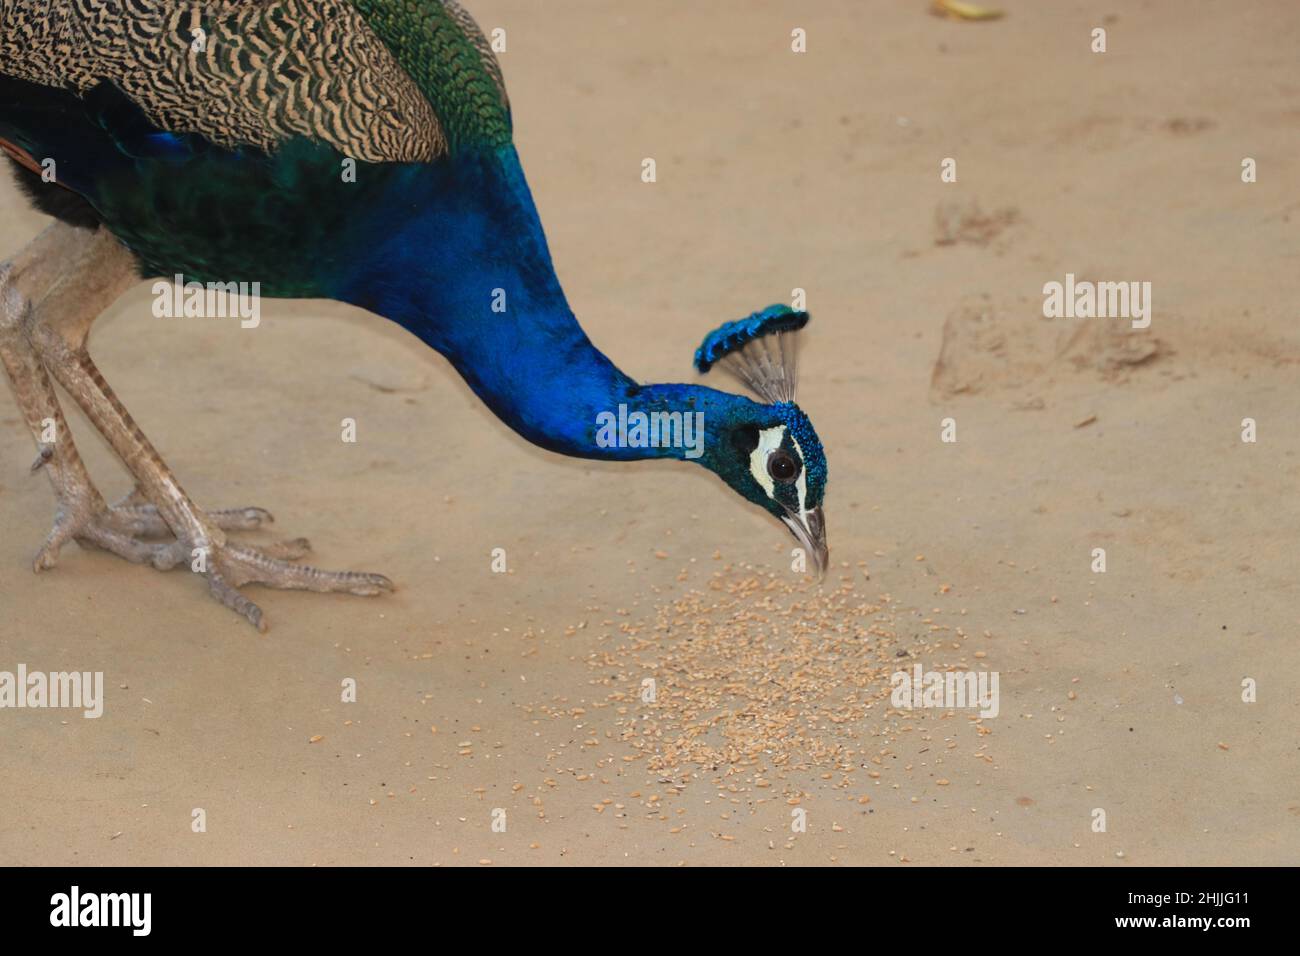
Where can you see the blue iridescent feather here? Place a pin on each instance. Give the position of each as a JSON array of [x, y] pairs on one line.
[[735, 335]]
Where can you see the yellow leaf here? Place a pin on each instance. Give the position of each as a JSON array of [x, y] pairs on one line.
[[965, 11]]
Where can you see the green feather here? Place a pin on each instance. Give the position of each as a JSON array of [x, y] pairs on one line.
[[432, 45]]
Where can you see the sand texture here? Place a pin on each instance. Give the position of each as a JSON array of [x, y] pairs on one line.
[[485, 697]]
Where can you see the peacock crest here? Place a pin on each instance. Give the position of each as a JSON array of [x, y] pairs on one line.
[[760, 350]]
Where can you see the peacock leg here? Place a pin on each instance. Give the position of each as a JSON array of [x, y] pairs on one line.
[[81, 511], [57, 329]]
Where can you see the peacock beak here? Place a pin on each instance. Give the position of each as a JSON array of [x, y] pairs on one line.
[[809, 529]]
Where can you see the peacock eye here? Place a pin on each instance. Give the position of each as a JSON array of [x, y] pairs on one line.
[[782, 467]]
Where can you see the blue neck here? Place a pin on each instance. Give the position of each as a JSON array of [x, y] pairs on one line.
[[457, 256]]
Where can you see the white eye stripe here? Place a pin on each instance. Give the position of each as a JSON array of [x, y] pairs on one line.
[[769, 440], [801, 483]]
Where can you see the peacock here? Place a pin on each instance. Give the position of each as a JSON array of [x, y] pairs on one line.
[[355, 150]]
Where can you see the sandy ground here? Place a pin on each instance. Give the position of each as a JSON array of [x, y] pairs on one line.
[[775, 171]]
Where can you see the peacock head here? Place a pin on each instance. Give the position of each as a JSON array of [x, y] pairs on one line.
[[767, 451]]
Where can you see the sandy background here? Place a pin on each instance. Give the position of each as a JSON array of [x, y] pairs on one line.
[[775, 171]]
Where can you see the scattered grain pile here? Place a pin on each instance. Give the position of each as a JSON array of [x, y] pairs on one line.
[[756, 670], [764, 675]]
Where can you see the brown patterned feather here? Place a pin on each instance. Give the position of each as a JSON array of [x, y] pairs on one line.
[[238, 72]]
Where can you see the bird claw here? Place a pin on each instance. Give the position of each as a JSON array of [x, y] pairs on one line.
[[136, 516], [99, 529], [121, 528], [42, 458], [230, 566], [228, 594]]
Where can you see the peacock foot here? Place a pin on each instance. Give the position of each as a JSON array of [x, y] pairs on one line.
[[229, 566], [125, 528], [44, 322], [91, 523], [137, 516], [122, 528]]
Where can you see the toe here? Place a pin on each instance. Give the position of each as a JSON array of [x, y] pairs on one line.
[[228, 595], [284, 550], [65, 524], [372, 584], [241, 519]]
